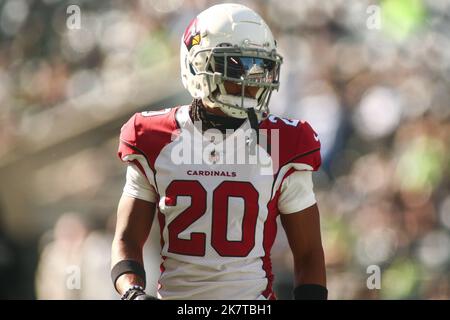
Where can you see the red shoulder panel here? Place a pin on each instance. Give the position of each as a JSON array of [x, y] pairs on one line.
[[146, 133], [297, 143]]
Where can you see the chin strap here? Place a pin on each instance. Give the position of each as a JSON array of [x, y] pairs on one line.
[[198, 113], [254, 125], [221, 100]]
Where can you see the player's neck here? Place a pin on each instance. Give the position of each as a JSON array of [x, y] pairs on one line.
[[213, 117]]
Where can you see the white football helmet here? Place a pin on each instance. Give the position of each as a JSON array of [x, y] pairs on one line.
[[230, 42]]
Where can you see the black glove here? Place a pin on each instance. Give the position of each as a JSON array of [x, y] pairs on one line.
[[136, 293]]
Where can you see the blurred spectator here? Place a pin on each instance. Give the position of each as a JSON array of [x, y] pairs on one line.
[[58, 275], [95, 264]]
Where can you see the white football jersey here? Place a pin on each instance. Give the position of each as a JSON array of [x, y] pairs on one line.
[[216, 213]]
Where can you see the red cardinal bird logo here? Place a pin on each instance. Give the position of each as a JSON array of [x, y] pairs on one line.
[[191, 36]]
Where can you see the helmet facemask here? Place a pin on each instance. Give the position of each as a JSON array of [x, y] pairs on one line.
[[244, 67]]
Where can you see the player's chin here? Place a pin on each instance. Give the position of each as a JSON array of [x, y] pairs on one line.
[[235, 90], [247, 94]]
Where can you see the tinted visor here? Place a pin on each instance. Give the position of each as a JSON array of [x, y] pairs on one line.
[[250, 68]]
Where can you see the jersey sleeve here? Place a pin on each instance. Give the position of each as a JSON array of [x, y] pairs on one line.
[[131, 152], [292, 143], [304, 154], [296, 193], [299, 156], [137, 185], [295, 175], [128, 144], [143, 137]]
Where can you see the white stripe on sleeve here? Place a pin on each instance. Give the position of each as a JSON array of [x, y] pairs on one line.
[[296, 192], [137, 185]]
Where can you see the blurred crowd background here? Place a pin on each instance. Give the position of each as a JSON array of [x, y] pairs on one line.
[[372, 77]]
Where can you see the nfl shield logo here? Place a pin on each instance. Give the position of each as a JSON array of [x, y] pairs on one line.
[[214, 156]]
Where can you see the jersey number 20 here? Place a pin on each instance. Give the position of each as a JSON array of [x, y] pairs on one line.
[[195, 246]]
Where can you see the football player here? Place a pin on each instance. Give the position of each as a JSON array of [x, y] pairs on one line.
[[218, 216]]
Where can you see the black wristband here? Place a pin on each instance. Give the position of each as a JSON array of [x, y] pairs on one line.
[[127, 266], [310, 292]]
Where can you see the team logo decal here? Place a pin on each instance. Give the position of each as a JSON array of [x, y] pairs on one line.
[[214, 156], [192, 36]]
